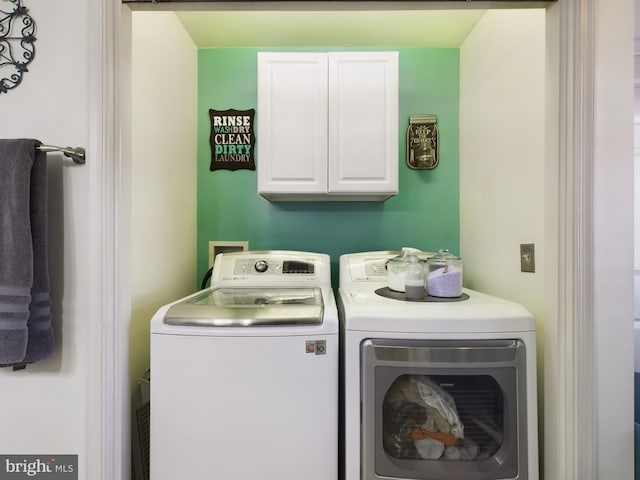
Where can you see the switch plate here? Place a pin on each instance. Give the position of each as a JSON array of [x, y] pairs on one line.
[[527, 258]]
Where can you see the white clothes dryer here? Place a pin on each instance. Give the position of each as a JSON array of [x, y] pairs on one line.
[[433, 389], [245, 374]]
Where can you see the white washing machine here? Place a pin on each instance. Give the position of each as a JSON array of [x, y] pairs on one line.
[[245, 374], [438, 390]]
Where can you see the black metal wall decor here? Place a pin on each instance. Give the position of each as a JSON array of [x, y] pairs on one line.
[[422, 142], [232, 139], [17, 37]]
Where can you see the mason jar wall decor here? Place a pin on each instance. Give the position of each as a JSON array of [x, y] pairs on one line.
[[422, 142], [17, 37]]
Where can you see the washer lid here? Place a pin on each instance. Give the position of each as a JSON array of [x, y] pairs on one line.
[[249, 307]]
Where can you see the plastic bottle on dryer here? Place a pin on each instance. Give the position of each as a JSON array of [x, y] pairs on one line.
[[414, 282]]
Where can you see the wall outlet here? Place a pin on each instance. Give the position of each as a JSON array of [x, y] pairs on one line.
[[217, 246], [527, 257]]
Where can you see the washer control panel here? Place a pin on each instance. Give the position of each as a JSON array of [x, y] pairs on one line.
[[270, 266]]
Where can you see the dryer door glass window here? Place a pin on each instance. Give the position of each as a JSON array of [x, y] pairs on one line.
[[443, 417], [444, 410]]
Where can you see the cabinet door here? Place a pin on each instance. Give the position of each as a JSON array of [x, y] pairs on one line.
[[292, 123], [363, 122]]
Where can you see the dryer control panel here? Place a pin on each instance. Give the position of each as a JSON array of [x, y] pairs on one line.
[[367, 268]]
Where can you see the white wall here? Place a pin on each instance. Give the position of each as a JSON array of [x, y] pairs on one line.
[[636, 156], [163, 171], [613, 236], [502, 151], [636, 210], [44, 408], [502, 125]]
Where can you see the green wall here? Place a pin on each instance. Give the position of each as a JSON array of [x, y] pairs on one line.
[[425, 214]]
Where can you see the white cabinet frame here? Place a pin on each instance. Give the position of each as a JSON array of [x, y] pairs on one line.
[[328, 125]]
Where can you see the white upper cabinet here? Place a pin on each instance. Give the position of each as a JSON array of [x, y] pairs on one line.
[[327, 125], [292, 123]]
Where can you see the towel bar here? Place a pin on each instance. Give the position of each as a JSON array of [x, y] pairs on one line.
[[76, 154]]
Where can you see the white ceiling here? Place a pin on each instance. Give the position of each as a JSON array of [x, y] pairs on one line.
[[405, 28]]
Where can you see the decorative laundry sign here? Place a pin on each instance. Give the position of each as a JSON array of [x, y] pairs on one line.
[[232, 139]]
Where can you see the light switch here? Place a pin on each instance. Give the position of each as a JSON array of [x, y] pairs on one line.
[[527, 257]]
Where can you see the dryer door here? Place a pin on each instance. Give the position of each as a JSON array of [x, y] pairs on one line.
[[444, 410]]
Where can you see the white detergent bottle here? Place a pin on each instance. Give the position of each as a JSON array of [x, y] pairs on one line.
[[397, 269], [414, 281]]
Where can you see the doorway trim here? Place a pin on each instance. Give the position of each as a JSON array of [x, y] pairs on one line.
[[571, 451], [570, 389], [108, 396]]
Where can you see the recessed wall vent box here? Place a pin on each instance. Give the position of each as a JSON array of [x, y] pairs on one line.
[[216, 247]]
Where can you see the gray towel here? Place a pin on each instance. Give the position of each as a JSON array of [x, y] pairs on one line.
[[26, 334]]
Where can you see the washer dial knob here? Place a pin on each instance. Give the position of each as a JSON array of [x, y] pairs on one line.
[[261, 266]]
